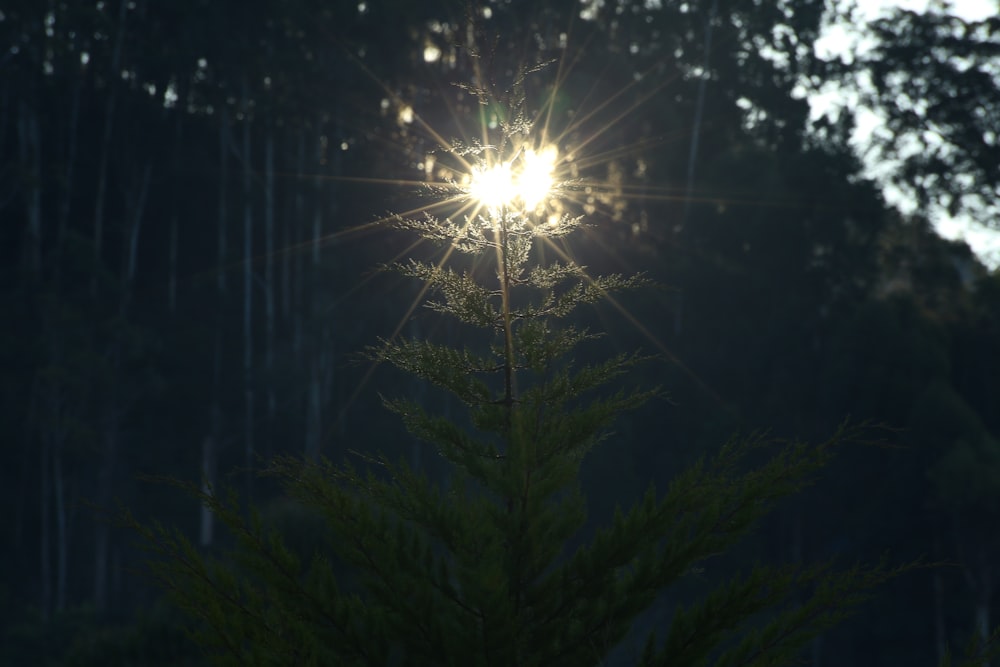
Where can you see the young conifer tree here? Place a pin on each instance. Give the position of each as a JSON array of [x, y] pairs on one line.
[[480, 569]]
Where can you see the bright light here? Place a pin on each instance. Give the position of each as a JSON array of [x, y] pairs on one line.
[[493, 186], [535, 179], [432, 53], [525, 181]]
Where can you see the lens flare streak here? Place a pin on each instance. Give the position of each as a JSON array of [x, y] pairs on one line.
[[524, 182]]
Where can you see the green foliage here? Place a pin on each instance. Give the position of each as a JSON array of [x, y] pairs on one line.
[[491, 565], [933, 74], [978, 651], [81, 637]]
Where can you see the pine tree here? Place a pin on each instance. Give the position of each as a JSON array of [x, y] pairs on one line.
[[481, 568]]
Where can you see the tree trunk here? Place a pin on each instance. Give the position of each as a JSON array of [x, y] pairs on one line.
[[138, 209], [174, 220], [105, 479], [4, 118], [699, 112], [206, 525], [286, 250], [45, 530], [248, 435], [314, 405], [172, 271], [984, 599], [30, 154], [317, 221], [62, 531], [222, 240], [270, 312], [211, 443], [114, 409], [109, 113], [297, 272], [68, 174], [937, 583], [314, 412], [320, 387], [978, 572], [940, 630]]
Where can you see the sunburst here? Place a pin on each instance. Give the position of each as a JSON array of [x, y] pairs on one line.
[[539, 177], [524, 182]]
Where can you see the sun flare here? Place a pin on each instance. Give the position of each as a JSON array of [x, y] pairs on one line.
[[523, 182]]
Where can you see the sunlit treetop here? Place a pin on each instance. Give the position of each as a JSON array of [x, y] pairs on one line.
[[524, 182]]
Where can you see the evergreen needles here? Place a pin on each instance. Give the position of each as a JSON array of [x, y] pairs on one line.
[[486, 567]]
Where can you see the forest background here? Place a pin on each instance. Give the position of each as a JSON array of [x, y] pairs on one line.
[[191, 198]]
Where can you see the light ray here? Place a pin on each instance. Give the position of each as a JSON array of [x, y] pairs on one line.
[[614, 121], [527, 180], [417, 118], [642, 329], [418, 299]]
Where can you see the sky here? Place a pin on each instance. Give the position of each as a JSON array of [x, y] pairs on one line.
[[846, 39]]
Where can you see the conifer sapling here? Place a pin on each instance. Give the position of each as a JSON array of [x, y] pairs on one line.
[[480, 568]]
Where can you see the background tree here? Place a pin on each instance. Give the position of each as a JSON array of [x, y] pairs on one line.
[[690, 120], [933, 76]]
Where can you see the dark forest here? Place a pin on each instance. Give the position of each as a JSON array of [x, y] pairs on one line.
[[199, 198]]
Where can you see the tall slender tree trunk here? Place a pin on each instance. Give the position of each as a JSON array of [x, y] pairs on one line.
[[53, 437], [222, 237], [286, 250], [174, 219], [314, 402], [100, 193], [5, 117], [45, 529], [210, 444], [270, 312], [317, 220], [699, 112], [62, 531], [978, 572], [68, 175], [984, 598], [30, 155], [248, 434], [114, 409], [298, 289], [314, 410], [940, 629], [105, 479], [937, 584], [206, 526], [138, 208], [298, 279]]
